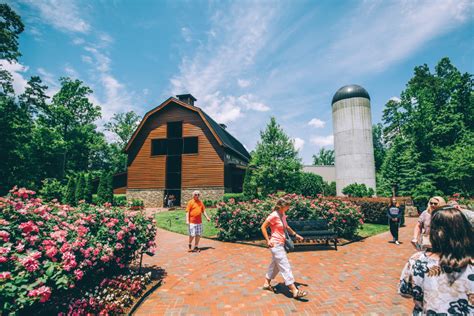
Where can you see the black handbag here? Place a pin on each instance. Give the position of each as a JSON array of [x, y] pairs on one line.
[[289, 244]]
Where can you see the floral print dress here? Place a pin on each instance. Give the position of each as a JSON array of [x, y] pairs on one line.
[[434, 291]]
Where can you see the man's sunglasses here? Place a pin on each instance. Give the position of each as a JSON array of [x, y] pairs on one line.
[[433, 203]]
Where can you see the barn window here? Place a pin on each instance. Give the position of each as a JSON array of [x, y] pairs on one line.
[[158, 147], [190, 145], [175, 129]]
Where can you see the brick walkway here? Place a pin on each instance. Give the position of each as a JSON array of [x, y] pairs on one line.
[[358, 279]]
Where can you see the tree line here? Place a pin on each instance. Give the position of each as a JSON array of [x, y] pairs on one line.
[[43, 137]]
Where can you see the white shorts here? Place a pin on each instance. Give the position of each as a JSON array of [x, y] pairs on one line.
[[195, 229]]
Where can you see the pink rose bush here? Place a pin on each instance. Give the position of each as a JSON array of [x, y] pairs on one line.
[[46, 249], [242, 220]]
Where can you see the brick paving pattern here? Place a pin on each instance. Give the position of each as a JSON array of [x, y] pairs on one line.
[[225, 279]]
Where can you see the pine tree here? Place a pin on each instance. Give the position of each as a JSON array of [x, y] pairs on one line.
[[249, 187], [109, 188], [88, 188], [102, 189], [80, 188], [70, 197], [276, 161]]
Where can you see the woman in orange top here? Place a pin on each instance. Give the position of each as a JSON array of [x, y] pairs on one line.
[[194, 220], [277, 222]]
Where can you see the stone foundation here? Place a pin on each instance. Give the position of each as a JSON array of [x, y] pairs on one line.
[[207, 193], [150, 197]]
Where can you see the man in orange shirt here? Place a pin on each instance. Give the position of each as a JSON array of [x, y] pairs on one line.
[[194, 219]]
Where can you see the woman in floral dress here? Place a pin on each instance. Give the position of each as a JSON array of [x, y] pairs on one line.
[[441, 279]]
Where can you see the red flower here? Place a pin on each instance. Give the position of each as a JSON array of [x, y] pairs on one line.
[[44, 292]]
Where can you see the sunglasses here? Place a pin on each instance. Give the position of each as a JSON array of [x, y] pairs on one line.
[[433, 203]]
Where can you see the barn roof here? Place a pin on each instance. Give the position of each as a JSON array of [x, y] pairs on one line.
[[223, 137]]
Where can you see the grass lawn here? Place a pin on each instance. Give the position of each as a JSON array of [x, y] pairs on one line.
[[175, 221], [368, 229]]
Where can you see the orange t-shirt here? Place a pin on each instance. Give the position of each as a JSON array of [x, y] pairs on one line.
[[195, 210]]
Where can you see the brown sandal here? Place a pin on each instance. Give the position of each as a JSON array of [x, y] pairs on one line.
[[300, 294], [268, 288]]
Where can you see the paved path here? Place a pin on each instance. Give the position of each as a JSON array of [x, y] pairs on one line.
[[226, 279]]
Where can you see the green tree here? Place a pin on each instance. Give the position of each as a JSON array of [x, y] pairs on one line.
[[70, 195], [325, 157], [330, 188], [311, 184], [379, 145], [51, 189], [105, 190], [80, 188], [358, 190], [88, 188], [250, 190], [428, 132], [11, 27], [276, 162]]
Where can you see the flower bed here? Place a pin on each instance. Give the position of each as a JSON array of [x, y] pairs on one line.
[[46, 249], [242, 221]]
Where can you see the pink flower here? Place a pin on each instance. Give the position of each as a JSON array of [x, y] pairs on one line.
[[4, 235], [5, 275], [30, 263], [3, 222], [79, 274], [120, 235], [3, 259], [118, 246], [44, 292], [51, 251], [105, 258], [4, 250], [28, 227], [69, 261], [132, 240]]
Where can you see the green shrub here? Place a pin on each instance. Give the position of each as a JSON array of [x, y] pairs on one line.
[[80, 188], [88, 188], [311, 184], [136, 203], [330, 188], [242, 220], [105, 191], [358, 190], [120, 200], [51, 189], [250, 190], [210, 203], [238, 197], [70, 196]]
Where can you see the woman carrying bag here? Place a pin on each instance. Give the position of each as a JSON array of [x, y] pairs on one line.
[[276, 243]]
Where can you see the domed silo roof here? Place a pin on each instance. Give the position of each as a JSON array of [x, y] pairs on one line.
[[350, 91]]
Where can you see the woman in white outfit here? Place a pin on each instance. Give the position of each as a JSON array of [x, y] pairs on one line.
[[277, 222]]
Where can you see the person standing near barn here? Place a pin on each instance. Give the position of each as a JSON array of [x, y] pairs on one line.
[[194, 211], [394, 214]]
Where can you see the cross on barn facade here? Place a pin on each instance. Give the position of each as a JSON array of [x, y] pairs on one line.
[[173, 147]]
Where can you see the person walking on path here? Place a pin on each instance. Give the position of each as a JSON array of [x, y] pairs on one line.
[[421, 232], [194, 212], [441, 280], [394, 215], [277, 223]]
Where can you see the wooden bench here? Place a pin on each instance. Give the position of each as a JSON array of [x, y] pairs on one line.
[[313, 231]]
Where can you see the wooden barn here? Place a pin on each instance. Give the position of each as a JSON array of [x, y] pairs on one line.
[[178, 148]]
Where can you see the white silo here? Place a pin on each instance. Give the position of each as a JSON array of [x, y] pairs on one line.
[[353, 147]]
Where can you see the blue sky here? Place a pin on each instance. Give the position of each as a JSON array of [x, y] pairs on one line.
[[243, 60]]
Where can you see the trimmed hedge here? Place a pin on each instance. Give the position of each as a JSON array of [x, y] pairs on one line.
[[374, 209], [238, 197]]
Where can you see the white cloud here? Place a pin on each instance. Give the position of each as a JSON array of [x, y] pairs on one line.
[[186, 33], [102, 61], [87, 59], [145, 91], [78, 41], [63, 15], [105, 39], [396, 99], [299, 143], [16, 70], [243, 83], [71, 72], [392, 31], [50, 80], [322, 141], [237, 34], [317, 123]]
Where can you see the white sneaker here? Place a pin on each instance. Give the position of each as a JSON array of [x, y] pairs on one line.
[[397, 243]]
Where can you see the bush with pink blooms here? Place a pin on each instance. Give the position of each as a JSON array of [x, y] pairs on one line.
[[46, 249], [242, 220]]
